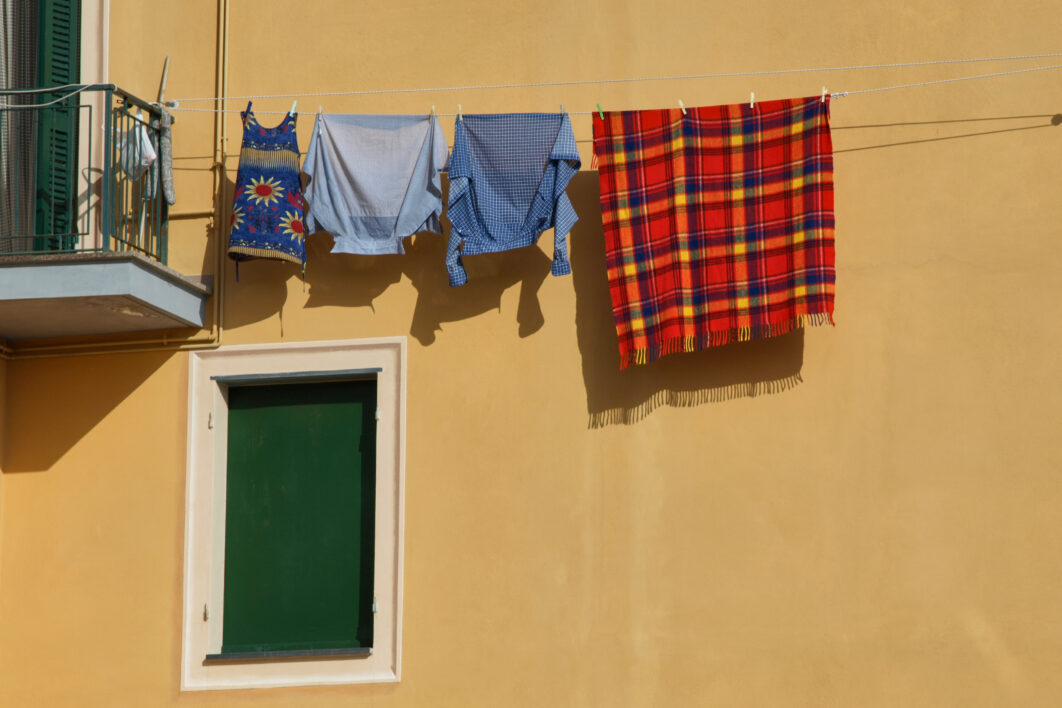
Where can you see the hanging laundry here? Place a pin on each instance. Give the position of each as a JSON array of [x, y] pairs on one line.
[[166, 155], [508, 173], [163, 175], [268, 208], [375, 179], [719, 224]]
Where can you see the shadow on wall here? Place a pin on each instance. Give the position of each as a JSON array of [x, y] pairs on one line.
[[489, 275], [343, 279], [51, 408], [612, 396], [355, 281], [1053, 120]]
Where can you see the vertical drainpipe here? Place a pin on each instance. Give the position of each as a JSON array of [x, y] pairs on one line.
[[221, 138]]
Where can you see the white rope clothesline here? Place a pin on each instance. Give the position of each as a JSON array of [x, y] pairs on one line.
[[948, 81], [79, 89], [174, 105], [837, 94], [680, 77]]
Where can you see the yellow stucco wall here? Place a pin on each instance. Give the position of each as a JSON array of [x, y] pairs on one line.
[[883, 533], [3, 398]]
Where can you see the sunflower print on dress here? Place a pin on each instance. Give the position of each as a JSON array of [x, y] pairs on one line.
[[268, 209]]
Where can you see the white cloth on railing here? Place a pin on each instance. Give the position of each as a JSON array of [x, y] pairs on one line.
[[136, 153]]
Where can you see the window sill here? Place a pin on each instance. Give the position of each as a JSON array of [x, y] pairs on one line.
[[289, 654]]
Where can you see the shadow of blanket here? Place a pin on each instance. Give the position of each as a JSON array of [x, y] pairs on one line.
[[613, 396]]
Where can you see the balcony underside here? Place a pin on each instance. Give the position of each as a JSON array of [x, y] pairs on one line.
[[87, 294]]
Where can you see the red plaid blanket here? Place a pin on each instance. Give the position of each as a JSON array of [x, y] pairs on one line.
[[718, 223]]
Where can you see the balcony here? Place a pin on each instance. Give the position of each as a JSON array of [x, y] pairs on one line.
[[83, 226]]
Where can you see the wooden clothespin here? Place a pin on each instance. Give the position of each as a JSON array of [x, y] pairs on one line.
[[752, 99], [682, 106], [562, 109], [459, 115], [824, 94], [433, 109]]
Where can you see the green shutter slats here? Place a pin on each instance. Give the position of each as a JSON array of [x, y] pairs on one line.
[[57, 148], [299, 518]]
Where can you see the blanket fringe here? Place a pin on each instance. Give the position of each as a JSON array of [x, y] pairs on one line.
[[688, 399], [676, 345]]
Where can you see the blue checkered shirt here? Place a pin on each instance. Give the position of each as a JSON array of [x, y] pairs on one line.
[[508, 173]]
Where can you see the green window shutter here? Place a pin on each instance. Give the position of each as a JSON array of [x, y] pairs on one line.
[[58, 64], [300, 517]]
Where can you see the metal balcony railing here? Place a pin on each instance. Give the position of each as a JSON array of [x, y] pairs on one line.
[[68, 176]]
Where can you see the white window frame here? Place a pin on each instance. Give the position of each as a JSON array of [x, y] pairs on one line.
[[204, 542]]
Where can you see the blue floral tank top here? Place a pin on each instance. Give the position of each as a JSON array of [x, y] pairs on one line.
[[268, 208]]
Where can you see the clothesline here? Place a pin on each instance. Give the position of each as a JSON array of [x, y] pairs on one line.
[[78, 88], [771, 72], [585, 82], [837, 94]]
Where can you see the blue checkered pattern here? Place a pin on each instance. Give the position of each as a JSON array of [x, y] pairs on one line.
[[508, 173]]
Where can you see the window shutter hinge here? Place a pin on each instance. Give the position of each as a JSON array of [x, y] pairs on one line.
[[206, 612], [374, 609], [210, 420]]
